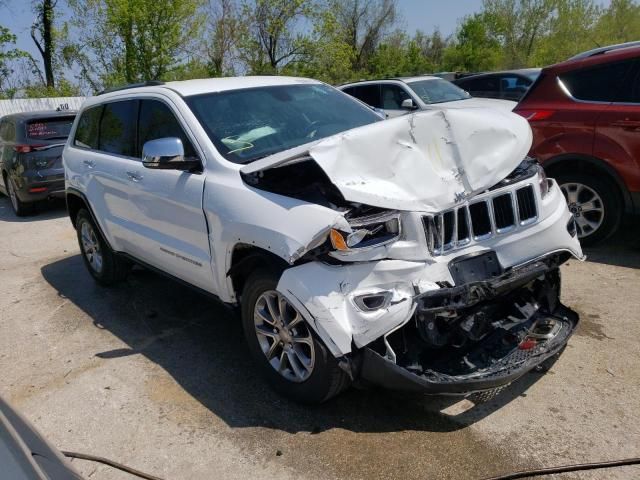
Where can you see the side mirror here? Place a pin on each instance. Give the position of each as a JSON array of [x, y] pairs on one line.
[[407, 104], [167, 154]]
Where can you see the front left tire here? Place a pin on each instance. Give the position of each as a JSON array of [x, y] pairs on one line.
[[288, 353]]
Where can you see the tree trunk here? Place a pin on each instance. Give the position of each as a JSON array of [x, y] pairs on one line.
[[47, 38]]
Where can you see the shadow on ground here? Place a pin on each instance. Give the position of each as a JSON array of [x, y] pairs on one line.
[[199, 342], [623, 249], [45, 210]]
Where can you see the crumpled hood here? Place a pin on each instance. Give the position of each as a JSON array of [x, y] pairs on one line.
[[426, 161]]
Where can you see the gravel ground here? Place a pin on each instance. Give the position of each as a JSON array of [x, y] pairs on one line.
[[151, 374]]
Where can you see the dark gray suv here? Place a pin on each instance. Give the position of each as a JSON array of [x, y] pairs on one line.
[[30, 157]]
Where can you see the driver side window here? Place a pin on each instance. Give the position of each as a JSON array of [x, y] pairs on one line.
[[156, 120], [393, 96]]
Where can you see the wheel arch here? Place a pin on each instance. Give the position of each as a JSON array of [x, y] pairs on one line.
[[76, 201], [589, 164], [245, 259]]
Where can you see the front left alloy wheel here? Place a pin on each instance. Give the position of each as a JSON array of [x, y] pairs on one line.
[[286, 350]]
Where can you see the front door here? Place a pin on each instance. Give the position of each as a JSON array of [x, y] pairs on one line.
[[170, 230]]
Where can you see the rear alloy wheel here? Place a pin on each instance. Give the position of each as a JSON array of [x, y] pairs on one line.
[[286, 350], [586, 206], [595, 204], [103, 264], [20, 208]]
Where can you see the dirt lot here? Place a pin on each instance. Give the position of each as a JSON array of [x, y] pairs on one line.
[[156, 376]]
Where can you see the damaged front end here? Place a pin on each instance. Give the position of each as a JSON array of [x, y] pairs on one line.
[[477, 336], [442, 273]]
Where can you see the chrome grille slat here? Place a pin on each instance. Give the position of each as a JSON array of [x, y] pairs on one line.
[[485, 218]]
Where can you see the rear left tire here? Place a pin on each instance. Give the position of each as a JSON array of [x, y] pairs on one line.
[[594, 202], [20, 208], [104, 265]]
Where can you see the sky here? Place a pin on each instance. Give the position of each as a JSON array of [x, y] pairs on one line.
[[425, 15]]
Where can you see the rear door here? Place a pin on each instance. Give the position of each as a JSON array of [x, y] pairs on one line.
[[618, 129], [169, 228], [103, 151]]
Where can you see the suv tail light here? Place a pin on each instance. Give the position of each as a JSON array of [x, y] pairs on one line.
[[535, 115], [27, 148]]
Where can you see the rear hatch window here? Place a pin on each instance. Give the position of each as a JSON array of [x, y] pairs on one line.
[[49, 128]]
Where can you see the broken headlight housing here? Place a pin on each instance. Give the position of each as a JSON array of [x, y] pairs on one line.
[[368, 231], [545, 183]]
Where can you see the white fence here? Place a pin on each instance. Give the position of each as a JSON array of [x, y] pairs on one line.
[[34, 104]]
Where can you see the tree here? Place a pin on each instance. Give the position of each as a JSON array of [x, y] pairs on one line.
[[43, 36], [620, 22], [473, 49], [222, 33], [519, 25], [8, 55], [272, 37], [329, 57], [570, 30], [399, 55], [364, 23], [128, 41], [432, 47]]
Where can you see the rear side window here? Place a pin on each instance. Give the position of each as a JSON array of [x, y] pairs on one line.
[[369, 94], [484, 84], [49, 129], [630, 91], [7, 131], [118, 128], [158, 121], [597, 84], [87, 130]]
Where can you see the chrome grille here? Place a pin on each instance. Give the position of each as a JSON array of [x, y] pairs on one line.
[[481, 219]]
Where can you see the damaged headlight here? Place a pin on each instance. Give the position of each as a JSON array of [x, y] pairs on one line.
[[367, 232], [545, 183]]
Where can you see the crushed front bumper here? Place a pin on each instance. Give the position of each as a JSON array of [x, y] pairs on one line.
[[381, 371]]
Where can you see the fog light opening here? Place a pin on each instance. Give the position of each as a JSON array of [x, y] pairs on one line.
[[373, 301]]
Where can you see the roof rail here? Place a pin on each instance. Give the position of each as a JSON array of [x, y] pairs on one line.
[[148, 83], [600, 50]]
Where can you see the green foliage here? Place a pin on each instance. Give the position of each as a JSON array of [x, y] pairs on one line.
[[126, 41], [63, 88], [111, 42], [8, 54], [474, 48]]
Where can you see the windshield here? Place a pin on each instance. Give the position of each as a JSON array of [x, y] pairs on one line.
[[437, 90], [252, 123]]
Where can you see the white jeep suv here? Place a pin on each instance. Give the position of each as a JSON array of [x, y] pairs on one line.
[[418, 253]]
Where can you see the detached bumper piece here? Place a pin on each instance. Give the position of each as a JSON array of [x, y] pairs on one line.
[[476, 337]]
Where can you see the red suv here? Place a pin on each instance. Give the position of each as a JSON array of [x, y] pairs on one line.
[[585, 117]]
